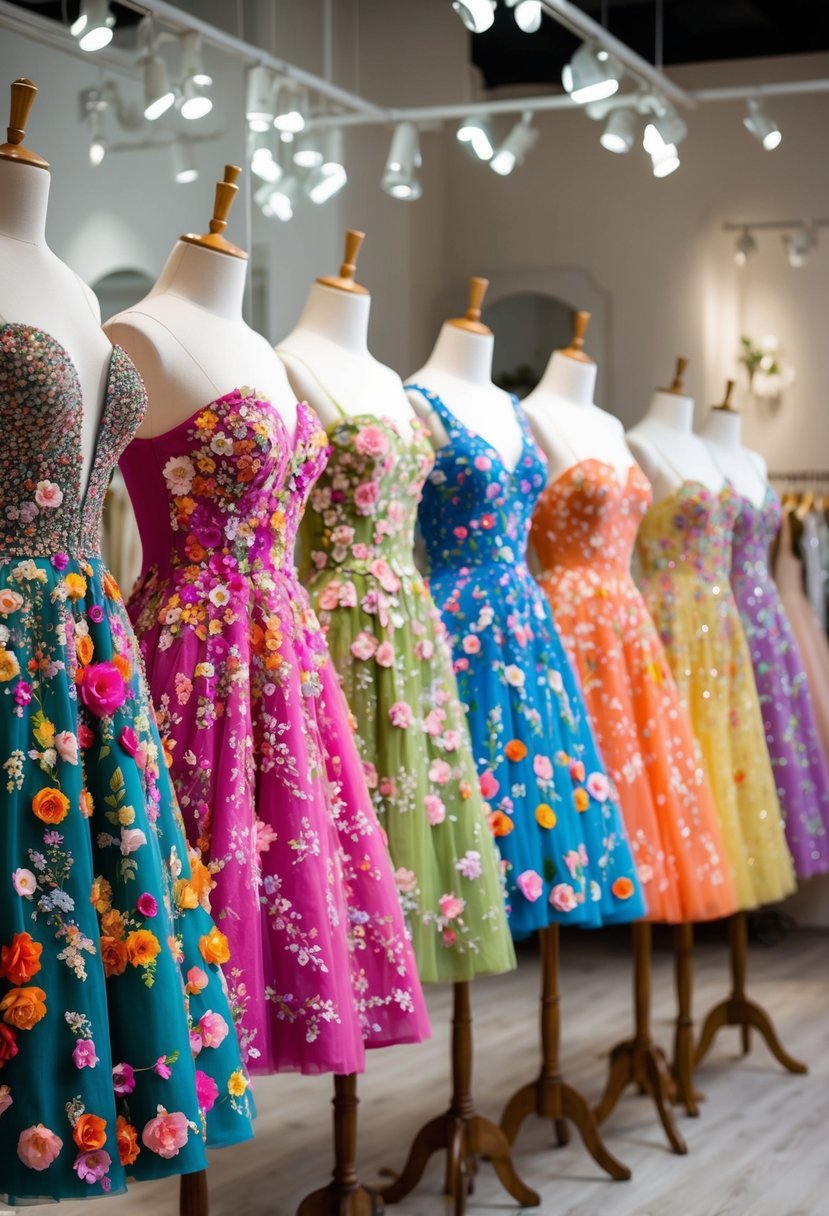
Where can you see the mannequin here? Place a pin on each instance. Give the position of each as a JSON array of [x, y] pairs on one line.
[[326, 355], [664, 443], [459, 371], [187, 337], [722, 432], [36, 288], [569, 428]]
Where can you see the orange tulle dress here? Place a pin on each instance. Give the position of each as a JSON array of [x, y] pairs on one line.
[[583, 531]]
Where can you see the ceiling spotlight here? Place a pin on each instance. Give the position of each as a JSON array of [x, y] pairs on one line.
[[590, 75], [669, 126], [527, 14], [184, 162], [515, 147], [307, 153], [292, 108], [619, 134], [192, 60], [194, 103], [262, 160], [761, 126], [664, 157], [158, 96], [745, 246], [477, 15], [259, 107], [282, 197], [799, 245], [400, 178], [475, 133], [93, 28], [326, 181], [261, 197]]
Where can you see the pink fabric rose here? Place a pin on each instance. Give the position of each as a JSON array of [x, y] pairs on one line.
[[128, 740], [348, 595], [364, 645], [360, 551], [102, 689], [383, 572], [147, 904], [384, 654], [365, 497], [195, 1043], [451, 906], [93, 1166], [166, 1133], [435, 809], [22, 693], [123, 1079], [371, 441], [48, 495], [387, 787], [470, 865], [406, 880], [329, 597], [440, 771], [197, 979], [433, 722], [452, 740], [66, 745], [84, 1055], [598, 787], [37, 1147], [563, 897], [400, 715], [572, 861], [489, 785], [24, 882], [207, 1091], [424, 649], [213, 1029], [162, 1068], [471, 644], [577, 770], [132, 839], [86, 737], [530, 884], [542, 767]]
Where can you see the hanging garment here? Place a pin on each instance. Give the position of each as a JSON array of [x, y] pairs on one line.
[[389, 647], [800, 767], [684, 542], [109, 1065], [263, 758], [810, 638], [813, 566], [554, 814], [584, 530]]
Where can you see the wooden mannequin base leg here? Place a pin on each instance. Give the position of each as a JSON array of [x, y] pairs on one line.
[[550, 1097], [685, 1093], [344, 1196], [638, 1061], [192, 1194], [462, 1134], [739, 1010]]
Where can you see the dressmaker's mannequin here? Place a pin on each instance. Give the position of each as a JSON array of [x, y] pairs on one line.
[[36, 288], [326, 355], [745, 470], [664, 443], [568, 426], [187, 337], [459, 371]]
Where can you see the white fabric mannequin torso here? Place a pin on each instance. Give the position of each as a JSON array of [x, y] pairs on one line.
[[328, 363], [459, 371], [37, 289], [745, 470], [189, 342], [664, 444], [568, 426]]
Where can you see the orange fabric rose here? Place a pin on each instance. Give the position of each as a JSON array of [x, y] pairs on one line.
[[111, 589], [21, 960], [499, 823], [581, 799], [124, 666], [112, 923], [142, 947], [185, 896], [90, 1133], [201, 880], [114, 956], [515, 750], [214, 947], [545, 816], [622, 888], [23, 1007], [84, 648], [127, 1137], [50, 805]]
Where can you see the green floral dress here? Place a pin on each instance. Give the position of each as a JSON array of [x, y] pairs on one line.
[[389, 646], [117, 1047]]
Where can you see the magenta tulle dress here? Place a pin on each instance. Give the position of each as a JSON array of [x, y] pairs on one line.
[[260, 743]]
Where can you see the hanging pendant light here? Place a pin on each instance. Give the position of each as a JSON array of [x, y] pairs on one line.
[[590, 75], [400, 179]]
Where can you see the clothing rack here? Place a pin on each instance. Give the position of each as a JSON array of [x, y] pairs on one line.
[[801, 475]]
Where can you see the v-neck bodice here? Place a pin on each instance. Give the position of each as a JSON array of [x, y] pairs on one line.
[[476, 510], [43, 509]]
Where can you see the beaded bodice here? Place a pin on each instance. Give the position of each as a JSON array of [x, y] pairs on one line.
[[689, 533]]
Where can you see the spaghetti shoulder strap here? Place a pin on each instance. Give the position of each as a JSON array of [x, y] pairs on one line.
[[289, 354], [436, 404]]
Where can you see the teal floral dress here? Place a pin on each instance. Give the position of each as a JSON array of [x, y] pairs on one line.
[[118, 1054], [389, 647]]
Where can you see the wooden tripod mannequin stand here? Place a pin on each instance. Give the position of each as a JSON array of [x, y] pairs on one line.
[[638, 1061], [460, 1132], [550, 1097], [344, 1195]]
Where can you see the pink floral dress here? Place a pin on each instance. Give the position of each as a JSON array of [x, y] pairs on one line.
[[390, 648], [260, 745]]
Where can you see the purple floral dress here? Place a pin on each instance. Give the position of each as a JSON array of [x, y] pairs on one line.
[[117, 1048], [390, 648], [799, 764], [262, 754]]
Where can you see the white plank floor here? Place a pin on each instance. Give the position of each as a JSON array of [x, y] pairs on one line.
[[759, 1149]]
